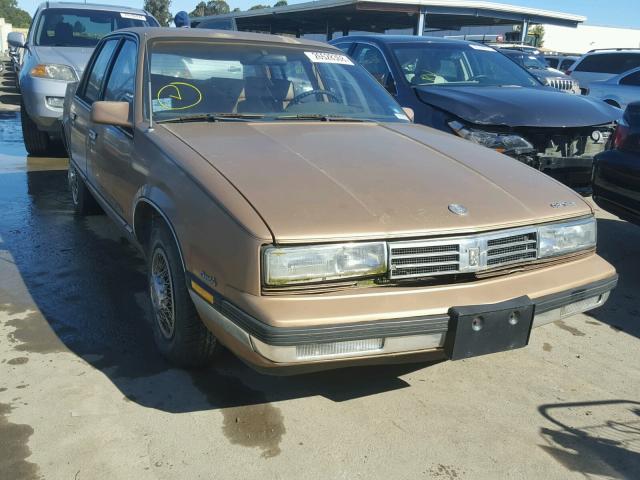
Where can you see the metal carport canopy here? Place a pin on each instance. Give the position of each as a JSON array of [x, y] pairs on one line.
[[325, 16]]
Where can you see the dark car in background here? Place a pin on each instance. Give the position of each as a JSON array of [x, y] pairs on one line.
[[475, 92], [538, 67], [616, 172]]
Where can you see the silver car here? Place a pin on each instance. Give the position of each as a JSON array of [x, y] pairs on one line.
[[618, 91], [60, 41]]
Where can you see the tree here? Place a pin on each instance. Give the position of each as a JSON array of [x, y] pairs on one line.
[[12, 14], [236, 10], [160, 10], [259, 6], [281, 3], [538, 30], [212, 7]]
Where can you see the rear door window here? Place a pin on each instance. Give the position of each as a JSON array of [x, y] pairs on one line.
[[95, 77], [632, 79], [609, 63]]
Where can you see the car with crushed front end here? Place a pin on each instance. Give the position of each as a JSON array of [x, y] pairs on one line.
[[289, 210], [58, 45], [474, 92]]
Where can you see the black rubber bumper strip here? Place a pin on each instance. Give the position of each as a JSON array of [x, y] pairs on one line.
[[422, 325], [557, 300]]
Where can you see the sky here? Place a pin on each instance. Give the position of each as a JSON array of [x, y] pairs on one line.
[[616, 13]]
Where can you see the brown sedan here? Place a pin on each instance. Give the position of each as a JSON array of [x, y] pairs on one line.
[[290, 210]]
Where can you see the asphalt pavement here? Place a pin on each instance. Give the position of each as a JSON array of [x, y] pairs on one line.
[[85, 395]]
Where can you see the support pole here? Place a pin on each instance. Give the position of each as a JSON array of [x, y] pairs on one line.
[[525, 31], [329, 32], [421, 23]]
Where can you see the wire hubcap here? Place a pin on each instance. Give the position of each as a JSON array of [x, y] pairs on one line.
[[161, 288], [72, 177]]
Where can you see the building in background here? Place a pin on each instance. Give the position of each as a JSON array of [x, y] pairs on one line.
[[589, 37]]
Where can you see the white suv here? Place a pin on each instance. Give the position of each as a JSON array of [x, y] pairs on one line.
[[600, 65]]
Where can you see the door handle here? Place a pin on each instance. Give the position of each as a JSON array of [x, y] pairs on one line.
[[73, 118], [92, 135]]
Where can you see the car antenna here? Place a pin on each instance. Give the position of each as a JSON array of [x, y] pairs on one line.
[[148, 65]]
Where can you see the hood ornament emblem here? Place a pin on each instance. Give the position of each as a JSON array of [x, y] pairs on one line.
[[458, 209]]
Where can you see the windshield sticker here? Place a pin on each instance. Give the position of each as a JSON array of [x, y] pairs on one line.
[[328, 57], [178, 96], [133, 16], [162, 104], [481, 47]]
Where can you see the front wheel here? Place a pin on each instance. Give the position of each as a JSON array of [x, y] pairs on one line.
[[36, 141], [178, 331]]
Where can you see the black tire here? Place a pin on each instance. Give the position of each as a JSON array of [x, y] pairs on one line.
[[35, 141], [187, 343], [83, 202]]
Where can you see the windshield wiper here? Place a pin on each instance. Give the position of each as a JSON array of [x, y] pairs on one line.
[[321, 117], [212, 117]]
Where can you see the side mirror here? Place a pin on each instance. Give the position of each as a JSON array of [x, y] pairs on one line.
[[15, 39], [409, 113], [111, 113]]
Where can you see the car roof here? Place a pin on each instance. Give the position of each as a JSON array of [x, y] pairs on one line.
[[89, 6], [205, 33], [402, 39], [613, 50]]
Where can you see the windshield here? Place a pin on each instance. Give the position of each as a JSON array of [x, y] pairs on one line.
[[459, 64], [68, 27], [264, 82]]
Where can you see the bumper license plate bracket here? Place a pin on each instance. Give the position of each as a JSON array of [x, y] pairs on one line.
[[482, 329]]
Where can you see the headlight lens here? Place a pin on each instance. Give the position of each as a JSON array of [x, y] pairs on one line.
[[501, 142], [54, 72], [563, 238], [289, 265]]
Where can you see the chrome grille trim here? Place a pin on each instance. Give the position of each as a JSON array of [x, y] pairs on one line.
[[447, 256], [560, 83]]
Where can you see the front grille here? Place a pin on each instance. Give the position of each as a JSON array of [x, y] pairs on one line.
[[516, 248], [560, 83], [427, 258]]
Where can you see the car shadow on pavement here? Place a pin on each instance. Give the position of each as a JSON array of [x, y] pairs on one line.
[[607, 442], [619, 244], [90, 288]]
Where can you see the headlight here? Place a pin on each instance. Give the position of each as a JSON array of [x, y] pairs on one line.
[[501, 142], [563, 238], [54, 72], [288, 265]]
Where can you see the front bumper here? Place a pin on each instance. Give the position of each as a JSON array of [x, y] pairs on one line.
[[35, 92], [382, 328]]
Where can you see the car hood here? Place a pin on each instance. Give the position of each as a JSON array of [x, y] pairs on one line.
[[333, 181], [518, 106], [75, 57]]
